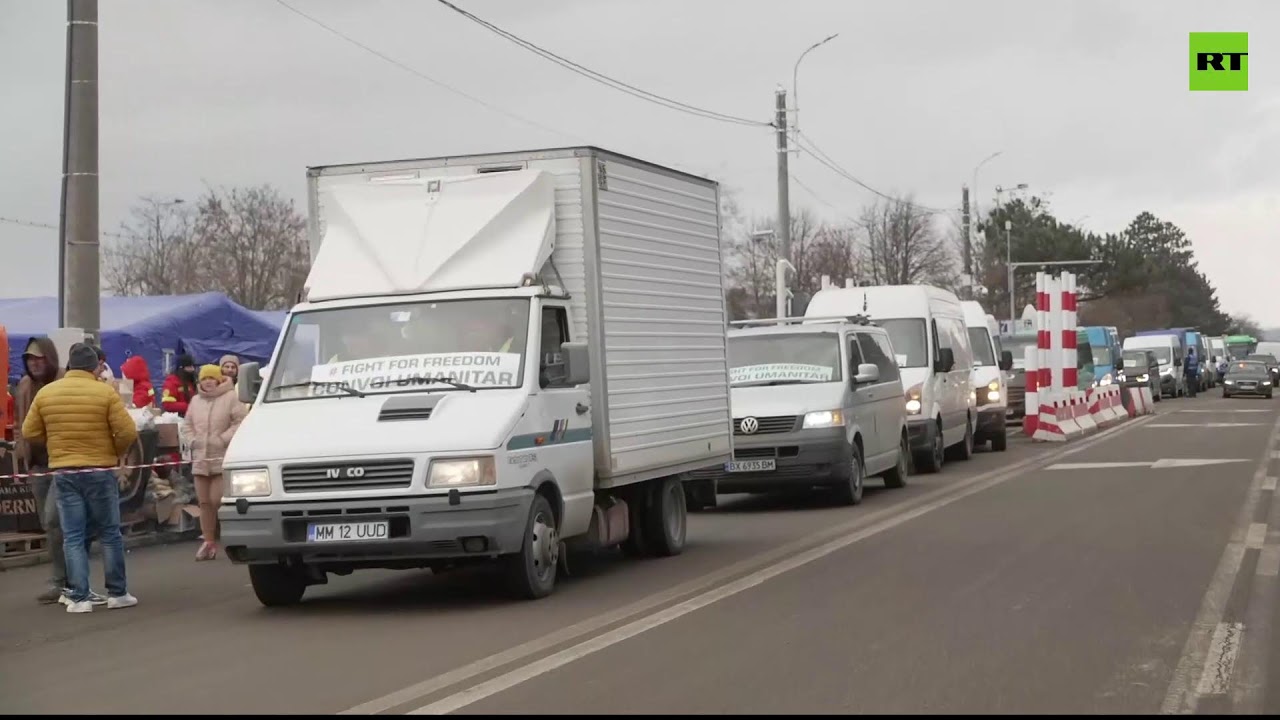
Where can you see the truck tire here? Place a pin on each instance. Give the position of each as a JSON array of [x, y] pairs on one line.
[[666, 518], [897, 477], [277, 585], [531, 573]]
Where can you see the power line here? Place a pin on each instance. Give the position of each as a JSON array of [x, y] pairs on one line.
[[49, 226], [817, 153], [413, 71], [605, 79]]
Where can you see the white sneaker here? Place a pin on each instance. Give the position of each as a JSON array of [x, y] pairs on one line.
[[84, 606], [124, 601], [95, 597]]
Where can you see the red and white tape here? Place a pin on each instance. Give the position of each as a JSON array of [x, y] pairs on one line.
[[85, 471]]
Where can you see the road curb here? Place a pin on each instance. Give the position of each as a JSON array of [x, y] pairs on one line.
[[130, 543]]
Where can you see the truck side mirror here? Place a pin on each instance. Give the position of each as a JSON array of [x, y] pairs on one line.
[[1006, 360], [577, 363], [248, 383], [946, 360]]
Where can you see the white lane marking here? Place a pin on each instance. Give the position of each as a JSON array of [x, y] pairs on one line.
[[1256, 536], [1181, 697], [1221, 660], [1203, 425], [1216, 412], [1097, 465], [1269, 561], [1153, 464], [513, 678], [1269, 484]]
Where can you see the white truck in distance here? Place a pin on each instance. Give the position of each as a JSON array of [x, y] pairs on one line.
[[495, 355]]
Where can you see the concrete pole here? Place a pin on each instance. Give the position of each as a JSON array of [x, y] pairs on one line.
[[968, 243], [80, 204], [784, 177]]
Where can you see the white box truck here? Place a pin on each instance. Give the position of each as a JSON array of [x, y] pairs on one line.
[[494, 356]]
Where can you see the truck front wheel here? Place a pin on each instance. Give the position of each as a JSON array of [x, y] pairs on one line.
[[277, 585], [531, 573]]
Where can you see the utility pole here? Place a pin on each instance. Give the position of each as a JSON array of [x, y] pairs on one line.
[[80, 174], [968, 241], [784, 178]]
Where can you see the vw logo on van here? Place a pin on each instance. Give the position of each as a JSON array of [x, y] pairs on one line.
[[749, 425]]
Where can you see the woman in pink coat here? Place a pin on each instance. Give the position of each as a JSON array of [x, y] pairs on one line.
[[212, 419]]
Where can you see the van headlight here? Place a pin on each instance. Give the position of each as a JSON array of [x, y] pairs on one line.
[[248, 483], [914, 405], [1107, 380], [462, 472], [823, 419], [1144, 377]]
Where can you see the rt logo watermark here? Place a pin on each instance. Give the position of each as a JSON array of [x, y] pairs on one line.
[[1220, 61]]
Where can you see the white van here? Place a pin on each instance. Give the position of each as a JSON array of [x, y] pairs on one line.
[[989, 382], [926, 326], [1168, 351]]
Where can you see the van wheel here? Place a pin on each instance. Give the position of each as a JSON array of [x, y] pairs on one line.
[[1000, 443], [277, 585], [531, 573], [897, 477], [849, 492], [931, 461], [964, 450], [666, 522]]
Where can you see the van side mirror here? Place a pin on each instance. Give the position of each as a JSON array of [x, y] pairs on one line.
[[946, 360], [867, 373], [248, 383], [577, 363], [1006, 360]]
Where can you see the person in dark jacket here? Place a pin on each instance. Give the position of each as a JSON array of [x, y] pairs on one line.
[[180, 386], [1191, 372]]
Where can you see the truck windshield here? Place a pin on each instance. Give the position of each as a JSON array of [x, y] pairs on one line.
[[980, 340], [405, 347], [784, 359], [1101, 356]]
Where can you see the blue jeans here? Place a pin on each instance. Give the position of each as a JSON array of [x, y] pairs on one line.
[[91, 501]]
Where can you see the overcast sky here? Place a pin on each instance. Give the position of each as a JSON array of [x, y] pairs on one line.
[[1087, 100]]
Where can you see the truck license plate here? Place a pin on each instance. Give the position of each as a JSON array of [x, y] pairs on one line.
[[347, 532], [751, 465]]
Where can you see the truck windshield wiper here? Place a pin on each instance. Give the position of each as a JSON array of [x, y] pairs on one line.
[[343, 386], [445, 380]]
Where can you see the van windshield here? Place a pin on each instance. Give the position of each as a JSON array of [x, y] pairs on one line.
[[784, 359], [1135, 360], [405, 347], [910, 342], [983, 355], [1164, 355]]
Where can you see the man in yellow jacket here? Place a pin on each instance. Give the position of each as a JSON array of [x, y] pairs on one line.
[[85, 428]]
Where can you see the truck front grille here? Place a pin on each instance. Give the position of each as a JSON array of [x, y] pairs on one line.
[[348, 475]]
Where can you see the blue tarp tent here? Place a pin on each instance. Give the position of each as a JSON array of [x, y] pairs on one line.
[[207, 326]]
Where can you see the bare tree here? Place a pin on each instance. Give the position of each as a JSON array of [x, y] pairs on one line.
[[256, 244], [753, 257], [154, 254], [902, 246]]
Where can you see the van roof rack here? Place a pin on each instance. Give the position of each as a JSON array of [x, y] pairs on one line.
[[851, 319]]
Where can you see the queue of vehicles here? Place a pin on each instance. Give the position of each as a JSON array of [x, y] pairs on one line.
[[499, 358]]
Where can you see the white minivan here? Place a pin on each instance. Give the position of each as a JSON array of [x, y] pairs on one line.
[[1168, 351], [990, 363], [931, 344]]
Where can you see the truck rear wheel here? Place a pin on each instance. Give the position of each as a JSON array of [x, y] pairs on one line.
[[277, 585], [666, 518], [531, 573]]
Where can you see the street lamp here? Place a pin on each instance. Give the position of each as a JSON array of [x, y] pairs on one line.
[[175, 201], [795, 79]]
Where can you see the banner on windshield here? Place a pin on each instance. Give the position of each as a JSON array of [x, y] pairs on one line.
[[478, 369], [789, 372]]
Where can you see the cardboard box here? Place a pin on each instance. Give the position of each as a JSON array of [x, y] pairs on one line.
[[167, 435]]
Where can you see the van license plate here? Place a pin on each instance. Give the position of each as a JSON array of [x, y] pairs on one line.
[[751, 465], [347, 532]]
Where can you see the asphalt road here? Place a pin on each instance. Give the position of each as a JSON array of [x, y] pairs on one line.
[[1014, 582]]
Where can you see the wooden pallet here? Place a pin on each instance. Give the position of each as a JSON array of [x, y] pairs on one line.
[[18, 544]]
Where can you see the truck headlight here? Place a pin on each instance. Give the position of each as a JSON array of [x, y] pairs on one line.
[[462, 472], [823, 419], [1144, 377], [249, 483]]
